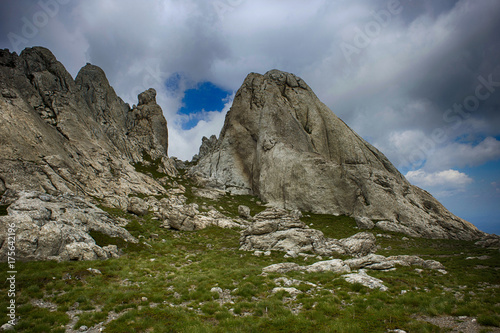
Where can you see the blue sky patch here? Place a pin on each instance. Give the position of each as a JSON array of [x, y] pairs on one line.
[[205, 97]]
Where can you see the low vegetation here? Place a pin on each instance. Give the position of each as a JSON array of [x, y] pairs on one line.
[[200, 281]]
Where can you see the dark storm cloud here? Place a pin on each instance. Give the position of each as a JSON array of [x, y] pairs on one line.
[[394, 90]]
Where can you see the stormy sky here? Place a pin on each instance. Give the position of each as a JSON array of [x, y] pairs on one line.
[[418, 79]]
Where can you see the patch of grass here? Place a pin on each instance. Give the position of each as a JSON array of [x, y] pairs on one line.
[[332, 226], [34, 319], [105, 240], [149, 166], [489, 320]]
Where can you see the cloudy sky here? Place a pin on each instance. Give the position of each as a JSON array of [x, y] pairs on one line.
[[418, 79]]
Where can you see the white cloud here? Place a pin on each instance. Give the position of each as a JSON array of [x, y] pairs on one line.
[[183, 144], [393, 92], [442, 183], [464, 154]]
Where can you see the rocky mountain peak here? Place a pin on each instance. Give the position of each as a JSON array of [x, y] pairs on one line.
[[281, 143], [147, 97], [70, 135]]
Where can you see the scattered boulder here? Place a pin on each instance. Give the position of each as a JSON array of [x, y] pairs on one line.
[[282, 268], [188, 217], [364, 223], [371, 261], [396, 227], [364, 279], [378, 262], [334, 265], [208, 193], [137, 206], [244, 212], [359, 244]]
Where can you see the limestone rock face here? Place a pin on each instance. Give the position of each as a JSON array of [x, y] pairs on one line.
[[64, 140], [207, 146], [280, 142], [59, 135], [56, 227]]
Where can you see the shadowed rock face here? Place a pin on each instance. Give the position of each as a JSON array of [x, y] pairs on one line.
[[280, 142], [63, 135]]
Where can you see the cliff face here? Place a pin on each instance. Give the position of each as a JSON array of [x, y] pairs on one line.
[[63, 141], [280, 142], [63, 135]]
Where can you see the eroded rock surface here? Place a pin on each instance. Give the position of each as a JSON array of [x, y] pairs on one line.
[[281, 143], [60, 135], [56, 227], [280, 230]]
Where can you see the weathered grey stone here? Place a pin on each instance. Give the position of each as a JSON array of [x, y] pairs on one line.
[[137, 206], [57, 228], [359, 244], [378, 262], [365, 280], [281, 143], [207, 146], [395, 227], [282, 268], [281, 230], [371, 261], [334, 265], [364, 223], [433, 264], [74, 136], [244, 212], [208, 193]]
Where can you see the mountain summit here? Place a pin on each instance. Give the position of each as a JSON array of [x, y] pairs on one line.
[[281, 143]]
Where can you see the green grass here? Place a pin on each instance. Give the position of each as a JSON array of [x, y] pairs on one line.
[[178, 270], [149, 166]]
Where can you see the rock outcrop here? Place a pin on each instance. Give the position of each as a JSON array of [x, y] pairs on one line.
[[60, 135], [278, 230], [207, 146], [63, 141], [281, 143], [48, 227]]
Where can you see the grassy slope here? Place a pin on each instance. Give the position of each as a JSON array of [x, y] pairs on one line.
[[176, 272]]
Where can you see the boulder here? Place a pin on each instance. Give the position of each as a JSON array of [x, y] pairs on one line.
[[364, 223], [334, 265], [137, 206], [396, 227], [244, 212], [365, 280]]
